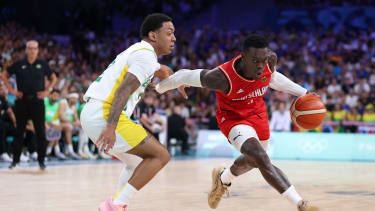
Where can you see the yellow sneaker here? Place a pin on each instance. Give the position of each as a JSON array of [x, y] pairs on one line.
[[83, 155], [217, 189], [306, 206]]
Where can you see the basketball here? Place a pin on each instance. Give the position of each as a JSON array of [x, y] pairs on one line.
[[308, 111]]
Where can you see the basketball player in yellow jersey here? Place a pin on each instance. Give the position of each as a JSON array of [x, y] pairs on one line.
[[112, 98]]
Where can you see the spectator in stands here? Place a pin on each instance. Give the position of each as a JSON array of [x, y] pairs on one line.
[[347, 85], [53, 126], [352, 116], [372, 76], [338, 113], [68, 117], [176, 129], [333, 87], [83, 145], [149, 118], [280, 120], [329, 103], [364, 98], [363, 72], [212, 122], [351, 99], [369, 115], [363, 86], [7, 124]]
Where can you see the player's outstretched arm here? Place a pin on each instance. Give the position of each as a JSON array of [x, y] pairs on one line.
[[215, 79], [211, 79], [280, 82]]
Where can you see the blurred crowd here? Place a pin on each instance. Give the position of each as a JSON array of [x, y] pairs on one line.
[[338, 65], [96, 15]]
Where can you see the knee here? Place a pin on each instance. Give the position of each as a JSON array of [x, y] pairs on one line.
[[66, 126], [164, 157]]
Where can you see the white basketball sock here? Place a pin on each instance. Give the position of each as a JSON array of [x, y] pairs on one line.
[[124, 195], [227, 176], [292, 195], [57, 149], [70, 148], [83, 139], [49, 150]]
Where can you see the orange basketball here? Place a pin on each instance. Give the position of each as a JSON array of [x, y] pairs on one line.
[[308, 111]]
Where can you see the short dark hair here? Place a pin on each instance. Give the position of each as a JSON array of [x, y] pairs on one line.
[[153, 22], [255, 41]]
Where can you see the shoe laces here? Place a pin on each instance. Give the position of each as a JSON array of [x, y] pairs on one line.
[[226, 191]]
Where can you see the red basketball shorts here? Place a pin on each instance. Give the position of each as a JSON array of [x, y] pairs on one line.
[[258, 121]]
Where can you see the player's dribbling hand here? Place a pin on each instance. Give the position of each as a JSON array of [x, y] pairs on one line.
[[107, 138], [181, 89]]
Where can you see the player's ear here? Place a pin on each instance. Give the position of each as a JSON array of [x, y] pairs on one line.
[[152, 36]]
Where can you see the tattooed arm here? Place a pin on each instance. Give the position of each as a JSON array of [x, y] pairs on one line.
[[108, 136], [128, 86]]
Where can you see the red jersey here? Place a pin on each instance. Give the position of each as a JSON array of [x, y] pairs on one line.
[[244, 102]]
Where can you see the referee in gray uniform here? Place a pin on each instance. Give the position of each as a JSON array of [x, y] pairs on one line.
[[30, 73]]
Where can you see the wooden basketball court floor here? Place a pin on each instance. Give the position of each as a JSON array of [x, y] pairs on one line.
[[183, 186]]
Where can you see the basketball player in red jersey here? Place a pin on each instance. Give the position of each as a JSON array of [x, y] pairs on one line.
[[240, 85]]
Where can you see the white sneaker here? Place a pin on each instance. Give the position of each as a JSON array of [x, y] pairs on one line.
[[103, 155], [5, 157], [74, 156], [60, 155], [90, 155], [34, 156], [24, 158]]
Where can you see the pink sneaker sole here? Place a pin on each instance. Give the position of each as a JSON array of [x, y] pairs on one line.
[[108, 206]]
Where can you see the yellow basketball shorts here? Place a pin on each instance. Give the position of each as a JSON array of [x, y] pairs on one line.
[[94, 119]]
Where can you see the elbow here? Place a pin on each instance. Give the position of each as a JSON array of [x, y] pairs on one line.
[[204, 78]]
